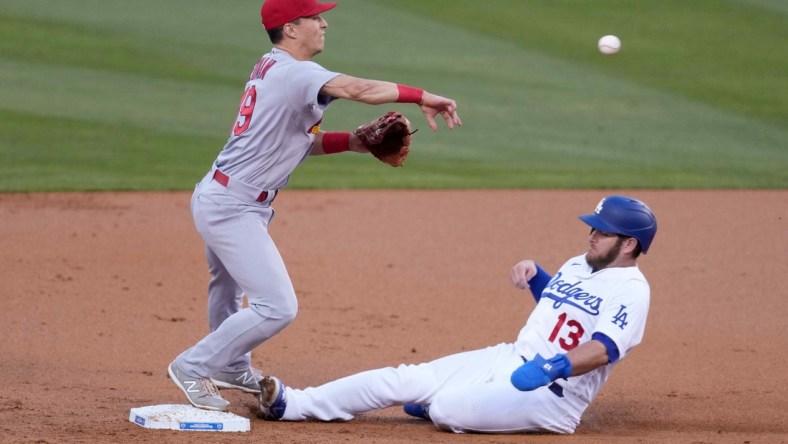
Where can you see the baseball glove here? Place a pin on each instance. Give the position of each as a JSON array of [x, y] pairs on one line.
[[387, 138]]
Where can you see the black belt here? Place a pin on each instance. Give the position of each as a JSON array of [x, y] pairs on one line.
[[554, 387]]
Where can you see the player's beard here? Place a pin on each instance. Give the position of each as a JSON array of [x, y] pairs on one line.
[[602, 261]]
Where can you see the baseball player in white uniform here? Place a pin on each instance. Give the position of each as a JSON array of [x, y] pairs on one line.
[[277, 127], [589, 316]]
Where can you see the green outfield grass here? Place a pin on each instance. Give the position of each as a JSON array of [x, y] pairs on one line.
[[111, 95]]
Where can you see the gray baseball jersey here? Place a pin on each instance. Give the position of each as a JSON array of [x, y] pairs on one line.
[[279, 115]]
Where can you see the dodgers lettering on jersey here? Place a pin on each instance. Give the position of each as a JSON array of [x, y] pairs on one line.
[[563, 292], [276, 122], [574, 305]]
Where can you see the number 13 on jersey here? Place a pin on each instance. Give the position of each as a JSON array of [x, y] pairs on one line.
[[569, 337]]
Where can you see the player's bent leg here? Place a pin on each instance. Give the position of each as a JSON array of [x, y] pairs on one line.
[[237, 236], [498, 407], [241, 243], [468, 368]]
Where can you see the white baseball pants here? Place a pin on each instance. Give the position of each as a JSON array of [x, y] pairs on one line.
[[467, 392]]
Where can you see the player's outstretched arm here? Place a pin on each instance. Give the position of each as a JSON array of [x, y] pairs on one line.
[[376, 92]]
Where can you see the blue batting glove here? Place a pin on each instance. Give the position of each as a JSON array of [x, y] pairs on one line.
[[540, 371]]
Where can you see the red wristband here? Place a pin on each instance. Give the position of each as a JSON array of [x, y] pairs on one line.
[[409, 94], [336, 142]]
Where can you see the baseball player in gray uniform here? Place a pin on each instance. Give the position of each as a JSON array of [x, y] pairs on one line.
[[588, 317], [277, 127]]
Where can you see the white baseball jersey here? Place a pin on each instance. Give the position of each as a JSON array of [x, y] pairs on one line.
[[279, 115], [577, 303]]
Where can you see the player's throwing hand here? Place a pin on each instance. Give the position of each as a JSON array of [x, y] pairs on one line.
[[432, 105]]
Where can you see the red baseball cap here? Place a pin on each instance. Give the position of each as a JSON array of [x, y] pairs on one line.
[[276, 13]]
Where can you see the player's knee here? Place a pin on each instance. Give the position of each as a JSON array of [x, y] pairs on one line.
[[440, 419], [451, 413], [289, 306], [289, 310], [283, 311]]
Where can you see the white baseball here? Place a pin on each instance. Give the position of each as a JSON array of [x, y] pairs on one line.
[[609, 45]]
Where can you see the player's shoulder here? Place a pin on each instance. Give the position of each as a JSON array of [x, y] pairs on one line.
[[633, 274], [627, 277], [579, 265], [577, 261], [311, 66], [629, 283], [285, 58]]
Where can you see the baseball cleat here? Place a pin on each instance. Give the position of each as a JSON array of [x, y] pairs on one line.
[[418, 410], [273, 400], [247, 380], [201, 392]]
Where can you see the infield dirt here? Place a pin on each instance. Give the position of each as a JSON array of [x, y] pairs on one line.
[[100, 291]]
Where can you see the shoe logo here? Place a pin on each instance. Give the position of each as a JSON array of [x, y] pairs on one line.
[[245, 378], [191, 388]]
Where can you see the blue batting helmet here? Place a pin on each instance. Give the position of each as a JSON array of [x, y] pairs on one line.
[[625, 216]]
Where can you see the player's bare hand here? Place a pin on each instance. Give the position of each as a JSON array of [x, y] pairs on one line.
[[432, 105], [522, 272]]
